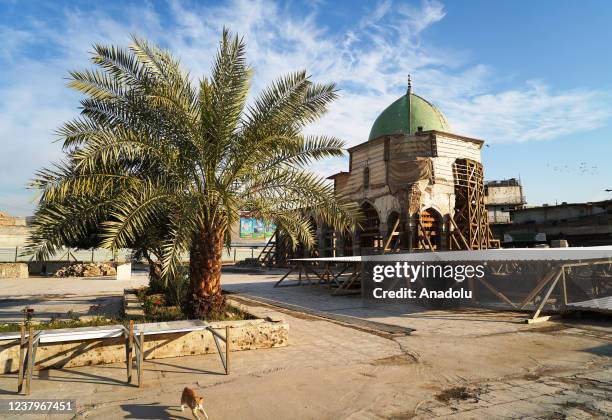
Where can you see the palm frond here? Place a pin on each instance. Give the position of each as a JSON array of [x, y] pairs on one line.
[[133, 212], [155, 160], [96, 84]]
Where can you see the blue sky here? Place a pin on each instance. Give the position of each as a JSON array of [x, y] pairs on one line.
[[532, 78]]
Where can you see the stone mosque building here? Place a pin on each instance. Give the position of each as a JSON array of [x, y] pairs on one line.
[[419, 185]]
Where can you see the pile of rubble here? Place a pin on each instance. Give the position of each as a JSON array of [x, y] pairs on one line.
[[86, 270]]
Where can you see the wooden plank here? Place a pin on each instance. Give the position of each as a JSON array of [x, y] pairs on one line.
[[394, 232], [496, 292], [564, 286], [29, 365], [423, 233], [538, 287], [345, 286], [547, 295], [457, 231], [291, 269], [21, 359], [538, 319]]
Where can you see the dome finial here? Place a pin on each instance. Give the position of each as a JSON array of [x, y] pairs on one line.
[[409, 90]]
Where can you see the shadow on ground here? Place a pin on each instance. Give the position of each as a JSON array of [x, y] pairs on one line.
[[151, 411]]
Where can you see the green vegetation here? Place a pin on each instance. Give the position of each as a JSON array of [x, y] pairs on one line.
[[63, 323], [158, 307], [164, 164], [170, 303]]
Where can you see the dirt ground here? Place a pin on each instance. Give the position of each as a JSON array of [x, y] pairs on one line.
[[458, 364]]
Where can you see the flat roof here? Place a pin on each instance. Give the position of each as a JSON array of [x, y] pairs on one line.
[[551, 206]]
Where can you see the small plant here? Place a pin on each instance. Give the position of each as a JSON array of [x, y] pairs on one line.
[[97, 310], [55, 323], [147, 306], [28, 313], [177, 290], [72, 316]]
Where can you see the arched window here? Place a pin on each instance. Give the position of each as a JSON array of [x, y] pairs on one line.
[[369, 230], [366, 178], [431, 229]]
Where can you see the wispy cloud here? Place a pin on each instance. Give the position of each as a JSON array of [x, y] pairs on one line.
[[369, 60], [534, 112]]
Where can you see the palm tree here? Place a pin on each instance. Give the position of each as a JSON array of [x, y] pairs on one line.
[[152, 148], [74, 221]]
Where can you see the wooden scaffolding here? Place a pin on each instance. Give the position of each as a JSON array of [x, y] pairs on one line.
[[470, 225], [278, 251]]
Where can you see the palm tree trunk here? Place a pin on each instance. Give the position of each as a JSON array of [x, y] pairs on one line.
[[155, 270], [155, 277], [205, 272]]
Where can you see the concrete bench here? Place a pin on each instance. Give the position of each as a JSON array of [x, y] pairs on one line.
[[134, 336]]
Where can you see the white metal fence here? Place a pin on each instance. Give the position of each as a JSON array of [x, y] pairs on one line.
[[15, 254]]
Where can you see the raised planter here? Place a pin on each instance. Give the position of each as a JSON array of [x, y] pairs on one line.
[[244, 335]]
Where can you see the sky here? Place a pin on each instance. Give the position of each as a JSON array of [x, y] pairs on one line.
[[531, 78]]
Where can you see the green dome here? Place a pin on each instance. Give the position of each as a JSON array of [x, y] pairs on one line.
[[402, 117]]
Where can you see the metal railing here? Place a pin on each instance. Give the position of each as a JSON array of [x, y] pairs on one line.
[[15, 254]]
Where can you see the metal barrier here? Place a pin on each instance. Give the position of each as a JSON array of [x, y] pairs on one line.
[[548, 280], [134, 338], [15, 254]]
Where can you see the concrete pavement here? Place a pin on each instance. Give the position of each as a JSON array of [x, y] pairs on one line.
[[52, 297], [464, 364]]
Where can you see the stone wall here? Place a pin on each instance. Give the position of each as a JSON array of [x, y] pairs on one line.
[[13, 270], [504, 195], [13, 235]]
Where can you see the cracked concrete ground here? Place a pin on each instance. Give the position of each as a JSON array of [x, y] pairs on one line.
[[461, 364]]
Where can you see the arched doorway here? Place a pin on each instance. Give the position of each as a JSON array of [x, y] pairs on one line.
[[329, 241], [430, 229], [347, 249], [369, 234]]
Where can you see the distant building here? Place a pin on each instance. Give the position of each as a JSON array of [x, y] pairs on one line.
[[14, 231], [502, 197], [580, 224]]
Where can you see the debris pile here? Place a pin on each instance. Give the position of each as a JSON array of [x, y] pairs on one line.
[[86, 270]]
